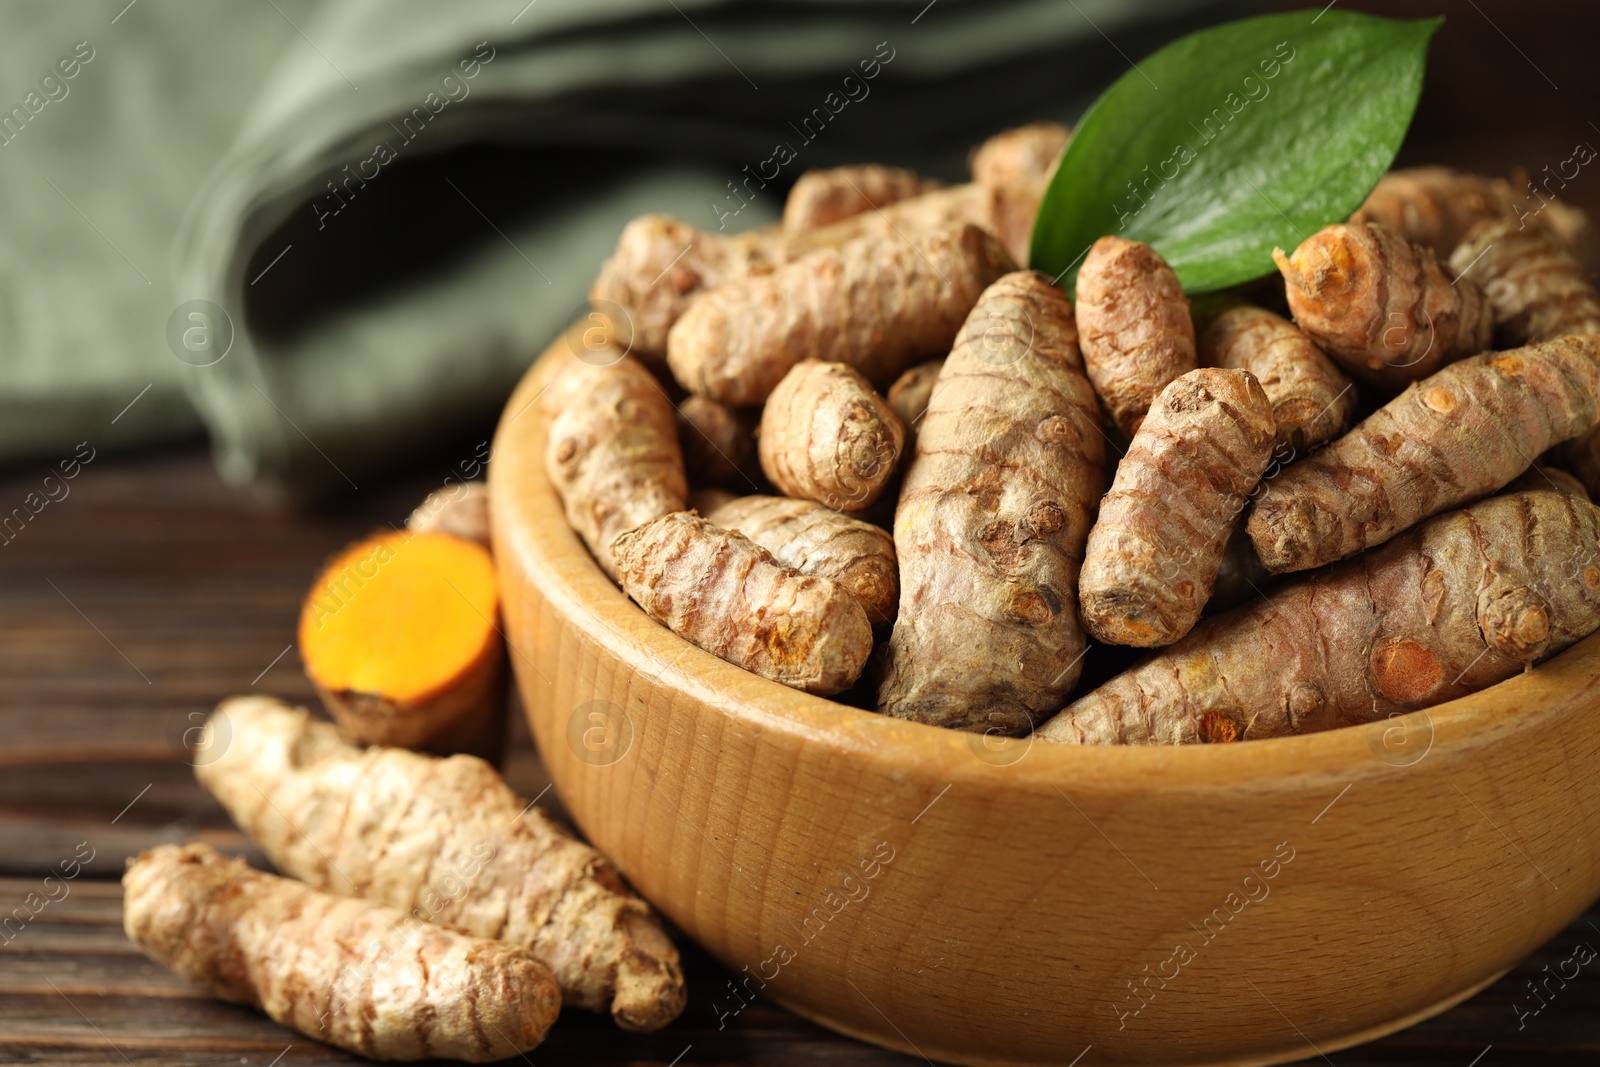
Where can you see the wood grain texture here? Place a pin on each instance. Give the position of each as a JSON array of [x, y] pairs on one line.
[[987, 901]]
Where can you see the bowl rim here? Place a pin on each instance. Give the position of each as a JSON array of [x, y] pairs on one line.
[[530, 526]]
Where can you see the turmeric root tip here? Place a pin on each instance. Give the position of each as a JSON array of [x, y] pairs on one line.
[[1135, 328], [1382, 306], [908, 397], [613, 452], [461, 511], [827, 436], [822, 197], [1154, 552], [1019, 156], [1312, 399], [661, 265]]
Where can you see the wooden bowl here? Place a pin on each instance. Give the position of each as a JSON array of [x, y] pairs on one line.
[[995, 902]]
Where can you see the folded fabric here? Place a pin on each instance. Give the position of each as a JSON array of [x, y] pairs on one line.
[[420, 194], [110, 118]]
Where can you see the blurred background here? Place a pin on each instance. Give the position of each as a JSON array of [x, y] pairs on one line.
[[325, 236], [268, 270]]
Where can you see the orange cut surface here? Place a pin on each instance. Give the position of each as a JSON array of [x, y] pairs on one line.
[[401, 615]]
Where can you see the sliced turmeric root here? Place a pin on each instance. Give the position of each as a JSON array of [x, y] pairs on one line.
[[400, 636]]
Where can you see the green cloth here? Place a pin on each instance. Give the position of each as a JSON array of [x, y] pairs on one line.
[[394, 205], [91, 190]]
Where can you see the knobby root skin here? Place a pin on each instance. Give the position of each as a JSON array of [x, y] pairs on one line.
[[909, 394], [443, 840], [1153, 553], [1005, 212], [879, 304], [1447, 440], [823, 197], [1018, 156], [361, 976], [613, 453], [1464, 601], [723, 592], [661, 265], [815, 540], [1538, 291], [400, 635], [993, 516], [575, 369], [719, 444], [827, 436], [1535, 287], [1136, 332], [460, 510], [1312, 399], [1435, 206], [1380, 305]]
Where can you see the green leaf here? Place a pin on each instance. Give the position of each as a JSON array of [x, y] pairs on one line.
[[1235, 140]]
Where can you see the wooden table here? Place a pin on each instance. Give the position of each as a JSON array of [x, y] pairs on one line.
[[134, 604]]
